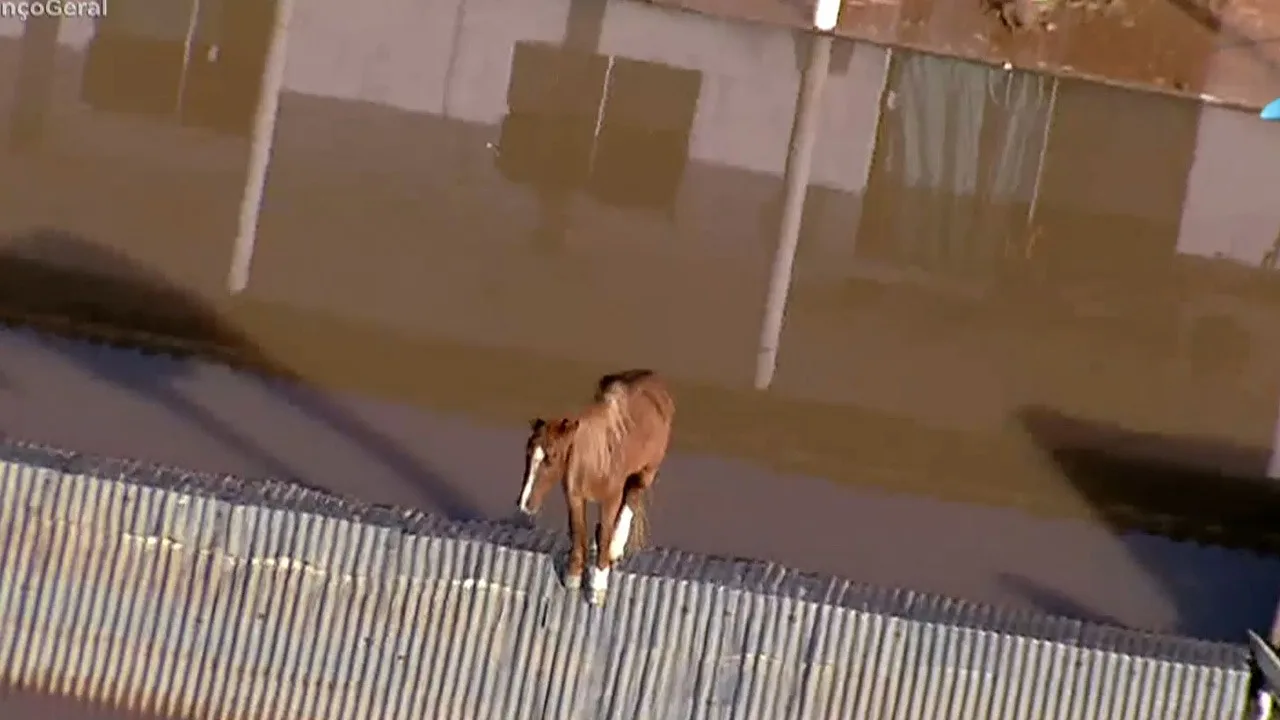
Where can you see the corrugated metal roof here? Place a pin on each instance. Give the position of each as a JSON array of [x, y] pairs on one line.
[[207, 596]]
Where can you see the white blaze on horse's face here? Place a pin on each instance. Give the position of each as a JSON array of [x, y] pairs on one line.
[[531, 475]]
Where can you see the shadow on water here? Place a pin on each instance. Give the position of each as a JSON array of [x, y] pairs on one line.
[[88, 261], [1123, 474], [48, 276], [1053, 601]]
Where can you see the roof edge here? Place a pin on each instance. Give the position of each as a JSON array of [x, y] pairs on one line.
[[732, 573]]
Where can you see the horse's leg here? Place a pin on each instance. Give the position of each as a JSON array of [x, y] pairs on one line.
[[578, 541], [595, 541], [631, 500], [608, 522], [632, 508]]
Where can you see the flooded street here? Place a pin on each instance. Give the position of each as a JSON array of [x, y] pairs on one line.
[[1030, 353]]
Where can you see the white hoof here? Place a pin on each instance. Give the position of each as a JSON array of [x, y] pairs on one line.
[[572, 582], [599, 585]]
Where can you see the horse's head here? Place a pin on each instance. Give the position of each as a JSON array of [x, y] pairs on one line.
[[545, 456]]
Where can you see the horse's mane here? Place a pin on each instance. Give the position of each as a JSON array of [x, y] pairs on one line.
[[602, 428]]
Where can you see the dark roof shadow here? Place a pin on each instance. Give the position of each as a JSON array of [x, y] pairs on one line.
[[60, 282], [1201, 491], [1052, 601]]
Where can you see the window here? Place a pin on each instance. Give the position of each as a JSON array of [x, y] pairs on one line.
[[199, 62], [618, 128], [953, 175]]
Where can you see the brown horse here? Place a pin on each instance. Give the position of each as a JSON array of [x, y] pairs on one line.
[[606, 454]]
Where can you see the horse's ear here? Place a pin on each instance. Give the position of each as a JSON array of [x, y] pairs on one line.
[[537, 424], [569, 425]]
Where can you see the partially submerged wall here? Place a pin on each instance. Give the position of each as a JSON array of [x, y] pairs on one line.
[[1224, 51], [210, 596]]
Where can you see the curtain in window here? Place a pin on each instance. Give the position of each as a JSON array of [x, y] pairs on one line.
[[955, 166]]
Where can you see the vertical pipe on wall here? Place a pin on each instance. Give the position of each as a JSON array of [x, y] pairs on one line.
[[193, 23], [804, 131], [264, 129], [1044, 149]]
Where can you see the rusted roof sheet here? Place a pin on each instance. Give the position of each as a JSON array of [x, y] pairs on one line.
[[208, 596], [1177, 46]]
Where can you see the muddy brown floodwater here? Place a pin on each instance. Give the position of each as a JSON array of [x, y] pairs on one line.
[[1030, 353]]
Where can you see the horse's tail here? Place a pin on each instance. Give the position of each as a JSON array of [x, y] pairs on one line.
[[639, 537]]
